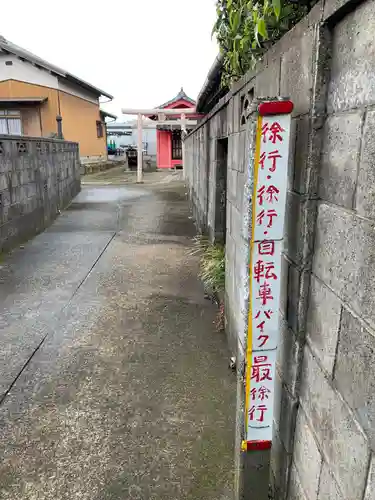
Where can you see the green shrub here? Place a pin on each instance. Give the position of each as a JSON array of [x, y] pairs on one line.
[[246, 28], [212, 263]]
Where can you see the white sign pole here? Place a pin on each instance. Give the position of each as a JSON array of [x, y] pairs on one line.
[[268, 216], [183, 132], [140, 151]]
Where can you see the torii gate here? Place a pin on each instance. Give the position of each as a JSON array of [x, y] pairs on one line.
[[161, 113]]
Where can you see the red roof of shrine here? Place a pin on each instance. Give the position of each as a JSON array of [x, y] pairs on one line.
[[181, 96]]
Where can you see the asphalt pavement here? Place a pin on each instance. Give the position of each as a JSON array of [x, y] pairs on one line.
[[114, 382]]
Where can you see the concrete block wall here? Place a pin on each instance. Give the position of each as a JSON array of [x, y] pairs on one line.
[[324, 418], [338, 376], [38, 177]]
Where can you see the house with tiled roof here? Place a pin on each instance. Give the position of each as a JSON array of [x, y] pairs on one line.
[[40, 99]]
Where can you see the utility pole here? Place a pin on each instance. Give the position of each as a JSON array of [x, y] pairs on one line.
[[140, 151]]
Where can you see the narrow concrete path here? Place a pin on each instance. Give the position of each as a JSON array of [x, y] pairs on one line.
[[114, 382]]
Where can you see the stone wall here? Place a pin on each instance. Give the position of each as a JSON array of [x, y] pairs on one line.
[[324, 425], [38, 177]]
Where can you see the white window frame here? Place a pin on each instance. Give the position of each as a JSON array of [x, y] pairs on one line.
[[11, 114]]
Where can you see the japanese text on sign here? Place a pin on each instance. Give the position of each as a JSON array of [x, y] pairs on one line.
[[269, 197], [265, 293], [270, 191], [260, 405]]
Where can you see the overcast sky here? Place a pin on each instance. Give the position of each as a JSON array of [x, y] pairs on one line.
[[140, 51]]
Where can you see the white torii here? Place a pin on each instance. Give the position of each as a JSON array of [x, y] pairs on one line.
[[161, 114]]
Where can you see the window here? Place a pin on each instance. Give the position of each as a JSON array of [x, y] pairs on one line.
[[99, 129], [10, 122], [176, 145]]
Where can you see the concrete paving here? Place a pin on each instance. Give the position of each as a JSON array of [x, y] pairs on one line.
[[120, 176], [114, 381]]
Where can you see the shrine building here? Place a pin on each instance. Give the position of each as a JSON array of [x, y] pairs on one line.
[[168, 136]]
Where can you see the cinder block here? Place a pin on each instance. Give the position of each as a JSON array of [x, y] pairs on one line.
[[299, 228], [353, 58], [237, 285], [268, 80], [339, 436], [338, 175], [230, 325], [294, 296], [344, 256], [284, 287], [228, 218], [280, 466], [370, 487], [285, 412], [277, 400], [212, 126], [230, 114], [242, 255], [232, 185], [8, 231], [292, 153], [305, 157], [5, 163], [240, 195], [230, 250], [16, 178], [22, 205], [232, 330], [30, 175], [296, 491], [234, 151], [365, 194], [212, 178], [28, 206], [323, 323], [5, 198], [242, 148], [15, 194], [3, 182], [328, 488], [354, 373], [247, 211], [212, 150], [306, 456], [222, 122], [25, 192], [236, 112], [296, 69], [289, 356]]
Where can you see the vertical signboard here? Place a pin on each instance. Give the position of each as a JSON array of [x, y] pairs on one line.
[[268, 216]]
